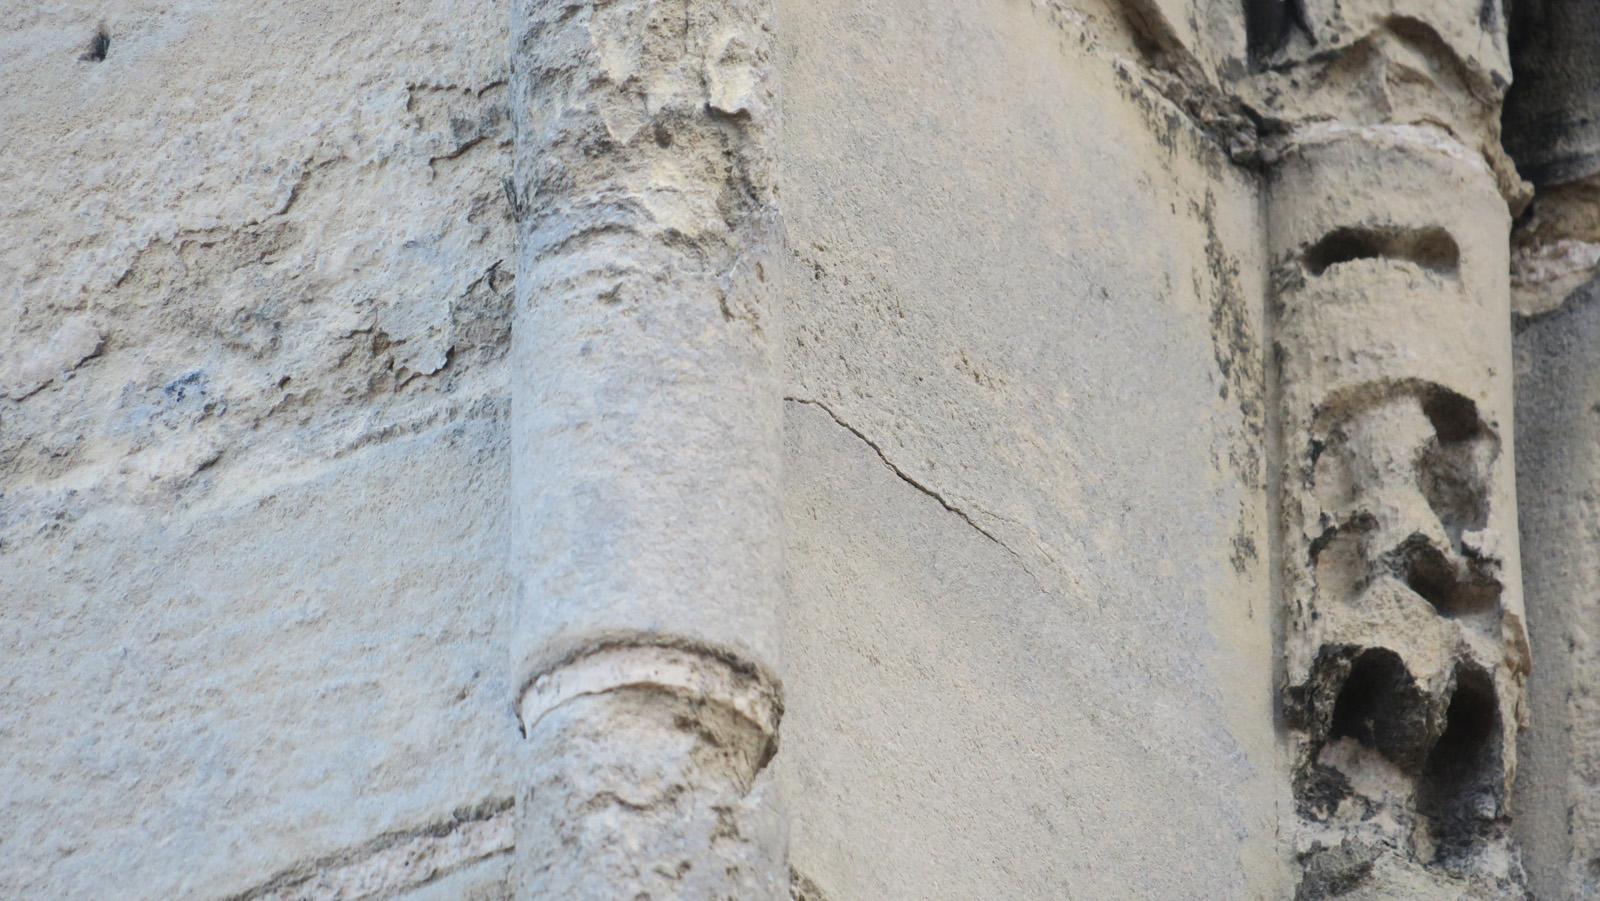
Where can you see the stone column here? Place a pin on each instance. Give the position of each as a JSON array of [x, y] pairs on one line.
[[1404, 650], [1552, 117], [1552, 124], [646, 449]]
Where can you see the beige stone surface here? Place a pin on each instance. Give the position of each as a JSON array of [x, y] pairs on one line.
[[254, 286], [647, 549], [191, 709], [286, 228], [1030, 640], [1029, 288]]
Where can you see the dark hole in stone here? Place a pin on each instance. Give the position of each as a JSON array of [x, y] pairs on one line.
[[1460, 790], [99, 46], [1451, 590], [1268, 26], [1431, 248], [1381, 707], [1453, 469], [1454, 417]]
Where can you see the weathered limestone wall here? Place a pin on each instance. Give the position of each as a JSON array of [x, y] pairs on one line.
[[254, 292], [1030, 636], [1551, 131], [1075, 438]]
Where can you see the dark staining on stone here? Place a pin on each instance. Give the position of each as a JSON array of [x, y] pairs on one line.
[[1269, 24], [1234, 341], [99, 46], [1319, 790], [1431, 248], [803, 889], [1244, 552], [1331, 872], [1489, 14], [1308, 707], [1448, 742], [519, 209], [194, 381], [1454, 589], [1381, 706], [1238, 356], [1460, 788]]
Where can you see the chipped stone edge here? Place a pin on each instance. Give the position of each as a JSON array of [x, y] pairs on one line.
[[693, 673]]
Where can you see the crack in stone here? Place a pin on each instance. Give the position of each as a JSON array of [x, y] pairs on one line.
[[906, 478]]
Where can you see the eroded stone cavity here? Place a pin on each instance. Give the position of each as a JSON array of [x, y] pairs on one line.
[[1405, 652]]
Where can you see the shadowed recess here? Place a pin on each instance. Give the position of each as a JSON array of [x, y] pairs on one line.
[[99, 46], [1268, 26], [1461, 787], [1381, 706], [1453, 471], [1431, 248], [1452, 590]]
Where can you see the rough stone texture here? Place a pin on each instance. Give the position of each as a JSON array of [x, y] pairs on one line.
[[1558, 787], [260, 299], [1030, 642], [395, 864], [490, 879], [1405, 647], [1442, 63], [647, 401], [253, 305], [642, 794], [269, 460], [646, 450]]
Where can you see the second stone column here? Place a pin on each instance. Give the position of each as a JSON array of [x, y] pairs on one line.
[[647, 449]]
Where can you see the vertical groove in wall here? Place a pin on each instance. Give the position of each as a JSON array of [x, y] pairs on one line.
[[646, 448], [1404, 650]]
